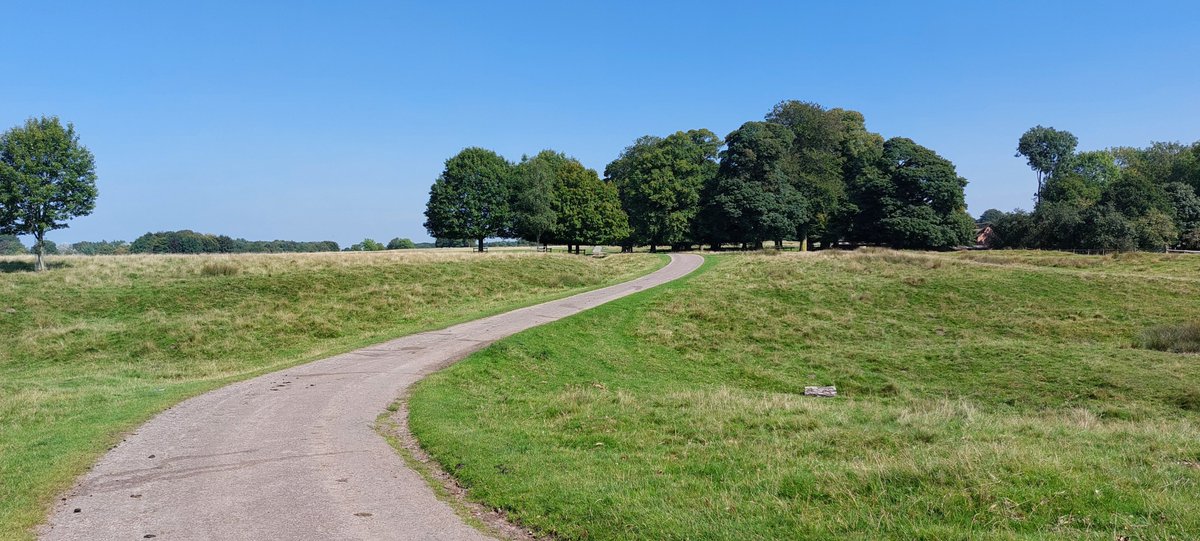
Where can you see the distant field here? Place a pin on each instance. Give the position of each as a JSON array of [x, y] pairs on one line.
[[97, 345], [997, 395]]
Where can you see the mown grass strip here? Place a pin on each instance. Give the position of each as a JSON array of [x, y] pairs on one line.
[[999, 401]]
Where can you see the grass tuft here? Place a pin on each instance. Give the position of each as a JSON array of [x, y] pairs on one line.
[[1176, 338], [219, 268]]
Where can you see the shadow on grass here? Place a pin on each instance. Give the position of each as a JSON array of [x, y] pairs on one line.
[[27, 266]]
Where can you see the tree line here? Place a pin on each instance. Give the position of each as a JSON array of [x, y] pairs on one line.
[[805, 173], [190, 242], [1121, 198]]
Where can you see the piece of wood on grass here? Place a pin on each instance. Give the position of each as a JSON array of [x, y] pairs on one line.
[[826, 392]]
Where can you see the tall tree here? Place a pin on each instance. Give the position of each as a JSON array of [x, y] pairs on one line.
[[46, 178], [754, 197], [532, 196], [659, 182], [470, 199], [916, 202], [1046, 149], [588, 209], [820, 151]]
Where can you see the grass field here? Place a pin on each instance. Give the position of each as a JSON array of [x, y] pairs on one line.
[[982, 396], [97, 345]]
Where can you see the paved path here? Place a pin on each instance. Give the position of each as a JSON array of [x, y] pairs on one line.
[[294, 454]]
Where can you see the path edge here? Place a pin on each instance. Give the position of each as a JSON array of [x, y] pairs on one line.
[[392, 425]]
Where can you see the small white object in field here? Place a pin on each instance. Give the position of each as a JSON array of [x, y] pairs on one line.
[[597, 250], [830, 391]]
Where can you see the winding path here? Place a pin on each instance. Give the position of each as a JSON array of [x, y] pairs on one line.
[[294, 454]]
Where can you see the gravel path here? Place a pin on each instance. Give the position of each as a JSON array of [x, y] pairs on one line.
[[294, 454]]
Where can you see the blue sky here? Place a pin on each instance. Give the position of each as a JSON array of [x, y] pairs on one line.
[[329, 120]]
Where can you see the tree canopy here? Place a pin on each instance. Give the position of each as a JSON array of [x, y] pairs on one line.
[[401, 244], [801, 173], [659, 181], [1045, 149], [754, 197], [1122, 198], [46, 178], [915, 202], [471, 197]]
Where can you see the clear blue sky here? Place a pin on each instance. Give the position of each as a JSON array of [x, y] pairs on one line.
[[329, 120]]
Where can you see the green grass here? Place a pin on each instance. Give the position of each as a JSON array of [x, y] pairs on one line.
[[97, 345], [997, 398]]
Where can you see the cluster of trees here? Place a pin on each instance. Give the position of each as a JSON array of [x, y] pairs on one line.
[[103, 247], [191, 242], [1121, 198], [804, 173], [46, 178], [546, 198]]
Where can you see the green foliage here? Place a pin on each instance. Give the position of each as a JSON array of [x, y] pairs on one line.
[[1185, 204], [990, 216], [401, 244], [100, 247], [915, 202], [588, 210], [470, 199], [1011, 229], [1046, 149], [46, 246], [190, 242], [451, 243], [46, 178], [1082, 179], [1135, 196], [367, 245], [1105, 228], [659, 183], [532, 197], [832, 149], [1156, 231], [754, 196], [11, 245], [1058, 225]]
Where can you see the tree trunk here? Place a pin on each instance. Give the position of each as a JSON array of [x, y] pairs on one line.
[[654, 248], [779, 244], [41, 251], [481, 246]]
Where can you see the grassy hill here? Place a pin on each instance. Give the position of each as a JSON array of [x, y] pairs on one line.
[[97, 345], [981, 395]]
